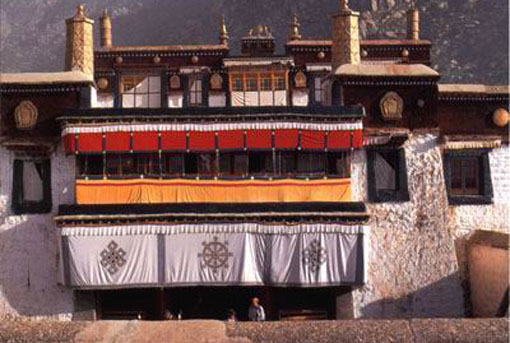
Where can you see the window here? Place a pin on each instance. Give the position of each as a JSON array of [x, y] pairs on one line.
[[148, 165], [311, 163], [254, 88], [121, 165], [285, 163], [339, 164], [89, 166], [387, 175], [467, 176], [31, 191], [172, 165], [260, 163], [318, 90], [233, 164], [204, 164], [195, 90], [141, 91], [280, 84], [237, 84]]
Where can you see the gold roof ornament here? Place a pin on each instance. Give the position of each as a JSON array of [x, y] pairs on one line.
[[344, 4], [294, 29], [25, 115], [391, 106], [223, 32]]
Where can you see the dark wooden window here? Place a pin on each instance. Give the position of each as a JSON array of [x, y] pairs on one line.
[[234, 164], [90, 166], [172, 165], [31, 191], [260, 163], [467, 176], [339, 164], [195, 90], [387, 175]]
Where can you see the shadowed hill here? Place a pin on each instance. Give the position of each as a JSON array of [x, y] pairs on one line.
[[470, 37]]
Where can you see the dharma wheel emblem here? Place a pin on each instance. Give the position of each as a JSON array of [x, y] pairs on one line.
[[112, 257], [215, 255], [314, 256]]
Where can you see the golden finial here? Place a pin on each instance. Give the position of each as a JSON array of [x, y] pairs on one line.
[[223, 32], [80, 12], [344, 4], [105, 13], [294, 28]]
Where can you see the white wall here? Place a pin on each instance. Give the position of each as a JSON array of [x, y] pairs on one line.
[[28, 248], [416, 265]]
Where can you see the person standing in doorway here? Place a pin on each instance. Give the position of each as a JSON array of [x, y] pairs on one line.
[[256, 311]]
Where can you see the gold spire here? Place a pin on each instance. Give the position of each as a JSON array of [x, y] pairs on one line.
[[413, 22], [106, 29], [294, 28], [79, 42], [223, 32], [345, 37]]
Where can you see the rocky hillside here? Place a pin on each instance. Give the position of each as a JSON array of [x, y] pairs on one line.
[[470, 37]]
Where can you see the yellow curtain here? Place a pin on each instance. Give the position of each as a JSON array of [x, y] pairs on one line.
[[151, 191]]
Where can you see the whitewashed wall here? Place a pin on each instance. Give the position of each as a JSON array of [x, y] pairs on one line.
[[28, 248], [416, 264]]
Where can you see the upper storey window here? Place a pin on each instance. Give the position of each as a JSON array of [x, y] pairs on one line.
[[259, 88], [195, 90], [141, 91]]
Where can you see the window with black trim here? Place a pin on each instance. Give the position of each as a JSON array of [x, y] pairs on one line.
[[195, 90], [387, 175], [467, 177], [31, 191], [141, 91]]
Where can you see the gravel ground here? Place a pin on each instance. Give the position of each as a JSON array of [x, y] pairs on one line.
[[207, 331], [376, 331]]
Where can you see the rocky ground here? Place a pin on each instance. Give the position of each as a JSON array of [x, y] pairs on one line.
[[470, 37], [208, 331]]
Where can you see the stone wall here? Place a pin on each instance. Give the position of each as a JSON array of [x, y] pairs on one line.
[[29, 248], [416, 263]]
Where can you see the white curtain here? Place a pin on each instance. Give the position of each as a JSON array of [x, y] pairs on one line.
[[300, 98], [223, 254], [32, 182], [385, 173], [175, 100]]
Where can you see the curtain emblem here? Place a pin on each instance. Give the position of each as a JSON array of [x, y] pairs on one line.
[[314, 256], [112, 257], [215, 255]]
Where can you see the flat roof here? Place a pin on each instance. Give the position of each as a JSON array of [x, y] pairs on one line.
[[395, 70], [66, 77], [473, 88], [162, 48]]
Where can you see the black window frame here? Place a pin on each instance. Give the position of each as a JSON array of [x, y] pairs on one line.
[[486, 193], [19, 206], [401, 194]]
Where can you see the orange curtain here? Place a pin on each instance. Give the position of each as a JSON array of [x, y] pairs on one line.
[[151, 191]]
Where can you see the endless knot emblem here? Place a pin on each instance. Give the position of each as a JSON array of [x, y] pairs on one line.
[[215, 255], [314, 255], [112, 257]]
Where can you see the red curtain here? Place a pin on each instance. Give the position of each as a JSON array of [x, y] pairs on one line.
[[90, 142], [339, 140], [231, 139], [69, 143], [173, 140], [259, 139], [145, 141], [118, 141], [200, 141], [311, 139], [286, 139]]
